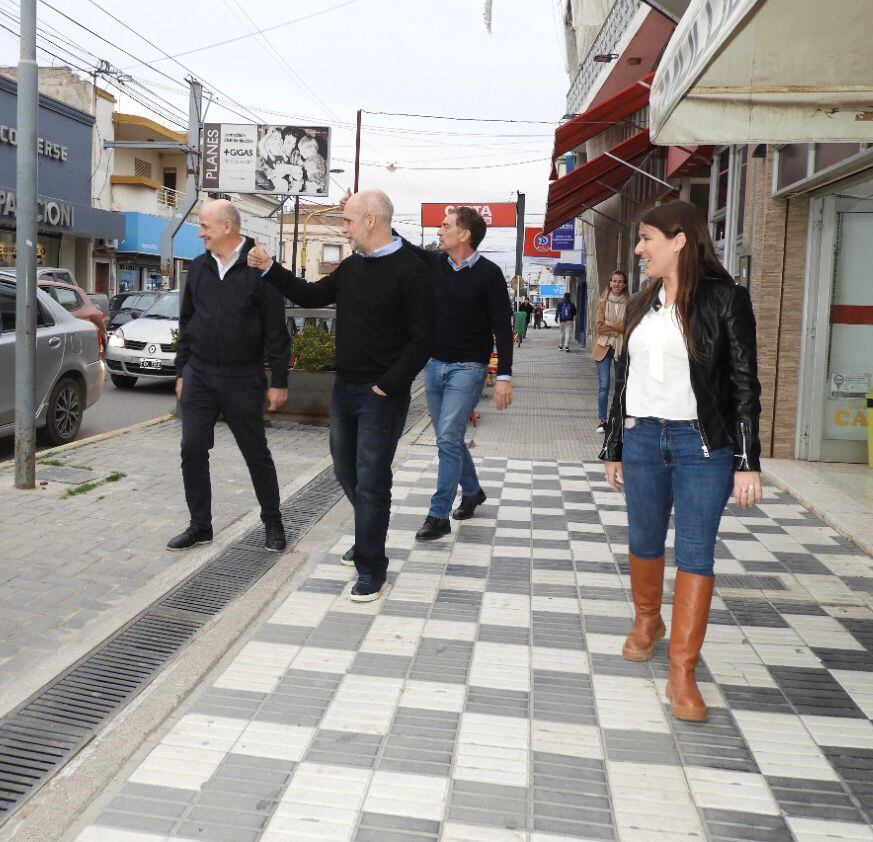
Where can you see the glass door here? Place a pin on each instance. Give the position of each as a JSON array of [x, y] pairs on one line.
[[847, 349]]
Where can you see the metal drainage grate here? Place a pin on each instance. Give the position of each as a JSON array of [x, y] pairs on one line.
[[40, 736]]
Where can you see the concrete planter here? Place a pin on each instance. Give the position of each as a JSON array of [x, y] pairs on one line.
[[309, 395]]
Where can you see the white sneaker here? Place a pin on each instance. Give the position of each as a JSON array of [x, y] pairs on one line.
[[601, 427]]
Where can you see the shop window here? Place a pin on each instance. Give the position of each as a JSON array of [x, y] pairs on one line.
[[141, 168], [793, 164], [828, 154]]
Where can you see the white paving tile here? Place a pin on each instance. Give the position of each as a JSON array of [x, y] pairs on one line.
[[719, 789], [404, 794], [364, 704]]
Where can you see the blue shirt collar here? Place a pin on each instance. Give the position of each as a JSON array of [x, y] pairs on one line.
[[465, 264], [395, 245]]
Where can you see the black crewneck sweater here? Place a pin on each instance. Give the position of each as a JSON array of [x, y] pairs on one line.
[[384, 315]]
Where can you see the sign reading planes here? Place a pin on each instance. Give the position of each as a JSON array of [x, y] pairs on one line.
[[279, 160]]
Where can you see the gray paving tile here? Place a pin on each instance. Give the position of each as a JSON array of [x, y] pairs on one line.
[[404, 608], [442, 660], [458, 606], [488, 804], [762, 699], [278, 633], [855, 767], [736, 825], [420, 742], [810, 799], [815, 692], [557, 630], [377, 827], [301, 698], [498, 702], [563, 697], [753, 612], [343, 748], [719, 745], [640, 747], [340, 630], [518, 635], [238, 704], [331, 586], [388, 666]]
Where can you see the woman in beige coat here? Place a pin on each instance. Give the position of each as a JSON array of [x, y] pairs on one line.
[[609, 323]]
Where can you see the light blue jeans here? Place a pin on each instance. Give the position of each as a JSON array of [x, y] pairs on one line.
[[453, 390]]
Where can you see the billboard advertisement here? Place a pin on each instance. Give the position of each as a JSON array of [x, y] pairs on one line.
[[278, 160], [495, 214], [537, 244]]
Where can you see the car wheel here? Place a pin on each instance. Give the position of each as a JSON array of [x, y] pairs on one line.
[[121, 381], [63, 416]]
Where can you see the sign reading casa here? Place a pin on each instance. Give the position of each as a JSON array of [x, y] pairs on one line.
[[495, 214]]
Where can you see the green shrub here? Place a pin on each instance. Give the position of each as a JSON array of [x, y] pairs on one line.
[[314, 349]]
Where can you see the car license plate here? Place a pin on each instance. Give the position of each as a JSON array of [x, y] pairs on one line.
[[148, 363]]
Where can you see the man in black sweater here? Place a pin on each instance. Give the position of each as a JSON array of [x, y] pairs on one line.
[[473, 311], [384, 335], [228, 322]]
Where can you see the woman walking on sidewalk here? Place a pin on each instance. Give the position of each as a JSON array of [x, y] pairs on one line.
[[682, 433], [609, 323]]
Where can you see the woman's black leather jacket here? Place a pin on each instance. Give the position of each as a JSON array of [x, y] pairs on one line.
[[724, 378]]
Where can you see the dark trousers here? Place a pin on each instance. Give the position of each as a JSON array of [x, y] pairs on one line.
[[241, 401], [364, 431]]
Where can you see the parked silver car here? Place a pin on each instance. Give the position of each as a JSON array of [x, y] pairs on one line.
[[69, 371]]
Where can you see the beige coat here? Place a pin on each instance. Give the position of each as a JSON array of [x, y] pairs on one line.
[[606, 331]]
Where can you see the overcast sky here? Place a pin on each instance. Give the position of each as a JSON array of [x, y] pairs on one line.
[[336, 56]]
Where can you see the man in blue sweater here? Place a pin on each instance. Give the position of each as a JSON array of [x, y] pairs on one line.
[[384, 335], [473, 311]]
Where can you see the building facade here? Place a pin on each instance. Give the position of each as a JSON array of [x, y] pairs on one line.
[[792, 222]]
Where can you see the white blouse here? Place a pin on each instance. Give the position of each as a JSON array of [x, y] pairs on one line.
[[659, 377]]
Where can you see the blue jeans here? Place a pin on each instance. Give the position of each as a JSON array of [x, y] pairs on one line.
[[453, 390], [604, 370], [665, 468], [364, 431]]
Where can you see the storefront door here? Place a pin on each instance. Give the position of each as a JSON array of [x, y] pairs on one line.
[[842, 326]]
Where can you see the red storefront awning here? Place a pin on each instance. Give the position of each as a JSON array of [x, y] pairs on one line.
[[594, 181], [600, 117]]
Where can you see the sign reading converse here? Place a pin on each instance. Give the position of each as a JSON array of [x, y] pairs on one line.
[[63, 168]]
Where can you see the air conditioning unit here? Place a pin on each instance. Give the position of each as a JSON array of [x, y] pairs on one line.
[[103, 243]]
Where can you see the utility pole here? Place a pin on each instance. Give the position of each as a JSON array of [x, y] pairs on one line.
[[519, 241], [191, 148], [282, 200], [25, 260], [294, 244], [358, 150]]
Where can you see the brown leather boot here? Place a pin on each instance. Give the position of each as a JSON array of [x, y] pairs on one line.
[[647, 586], [691, 600]]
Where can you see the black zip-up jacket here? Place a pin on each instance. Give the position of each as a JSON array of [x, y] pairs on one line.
[[724, 379], [228, 327]]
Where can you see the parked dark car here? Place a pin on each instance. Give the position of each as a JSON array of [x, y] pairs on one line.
[[127, 306]]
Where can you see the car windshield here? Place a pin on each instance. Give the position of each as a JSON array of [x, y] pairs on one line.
[[166, 307]]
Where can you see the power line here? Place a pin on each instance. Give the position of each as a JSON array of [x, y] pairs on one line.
[[461, 119]]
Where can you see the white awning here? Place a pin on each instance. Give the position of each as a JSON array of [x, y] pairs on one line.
[[766, 71]]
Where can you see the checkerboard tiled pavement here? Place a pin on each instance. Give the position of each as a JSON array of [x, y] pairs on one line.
[[485, 699]]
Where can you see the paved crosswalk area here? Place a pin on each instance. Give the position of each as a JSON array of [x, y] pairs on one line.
[[485, 699]]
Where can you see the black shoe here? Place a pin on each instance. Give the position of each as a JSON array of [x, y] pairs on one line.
[[366, 589], [275, 541], [348, 558], [468, 505], [190, 538], [433, 528]]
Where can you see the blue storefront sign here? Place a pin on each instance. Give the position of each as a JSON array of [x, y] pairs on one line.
[[143, 232], [552, 290], [564, 237]]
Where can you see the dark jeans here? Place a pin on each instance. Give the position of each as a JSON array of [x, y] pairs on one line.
[[364, 431], [604, 370], [241, 401], [665, 468]]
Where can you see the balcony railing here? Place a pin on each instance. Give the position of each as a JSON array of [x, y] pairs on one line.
[[616, 24]]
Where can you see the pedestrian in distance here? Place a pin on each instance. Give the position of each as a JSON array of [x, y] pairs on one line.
[[682, 433], [473, 313], [528, 310], [229, 321], [609, 324], [520, 325], [565, 315], [385, 331], [538, 316]]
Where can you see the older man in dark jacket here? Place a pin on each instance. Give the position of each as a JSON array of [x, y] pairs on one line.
[[230, 321]]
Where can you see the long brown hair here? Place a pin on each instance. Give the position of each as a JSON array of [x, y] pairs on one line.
[[626, 293], [698, 264]]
